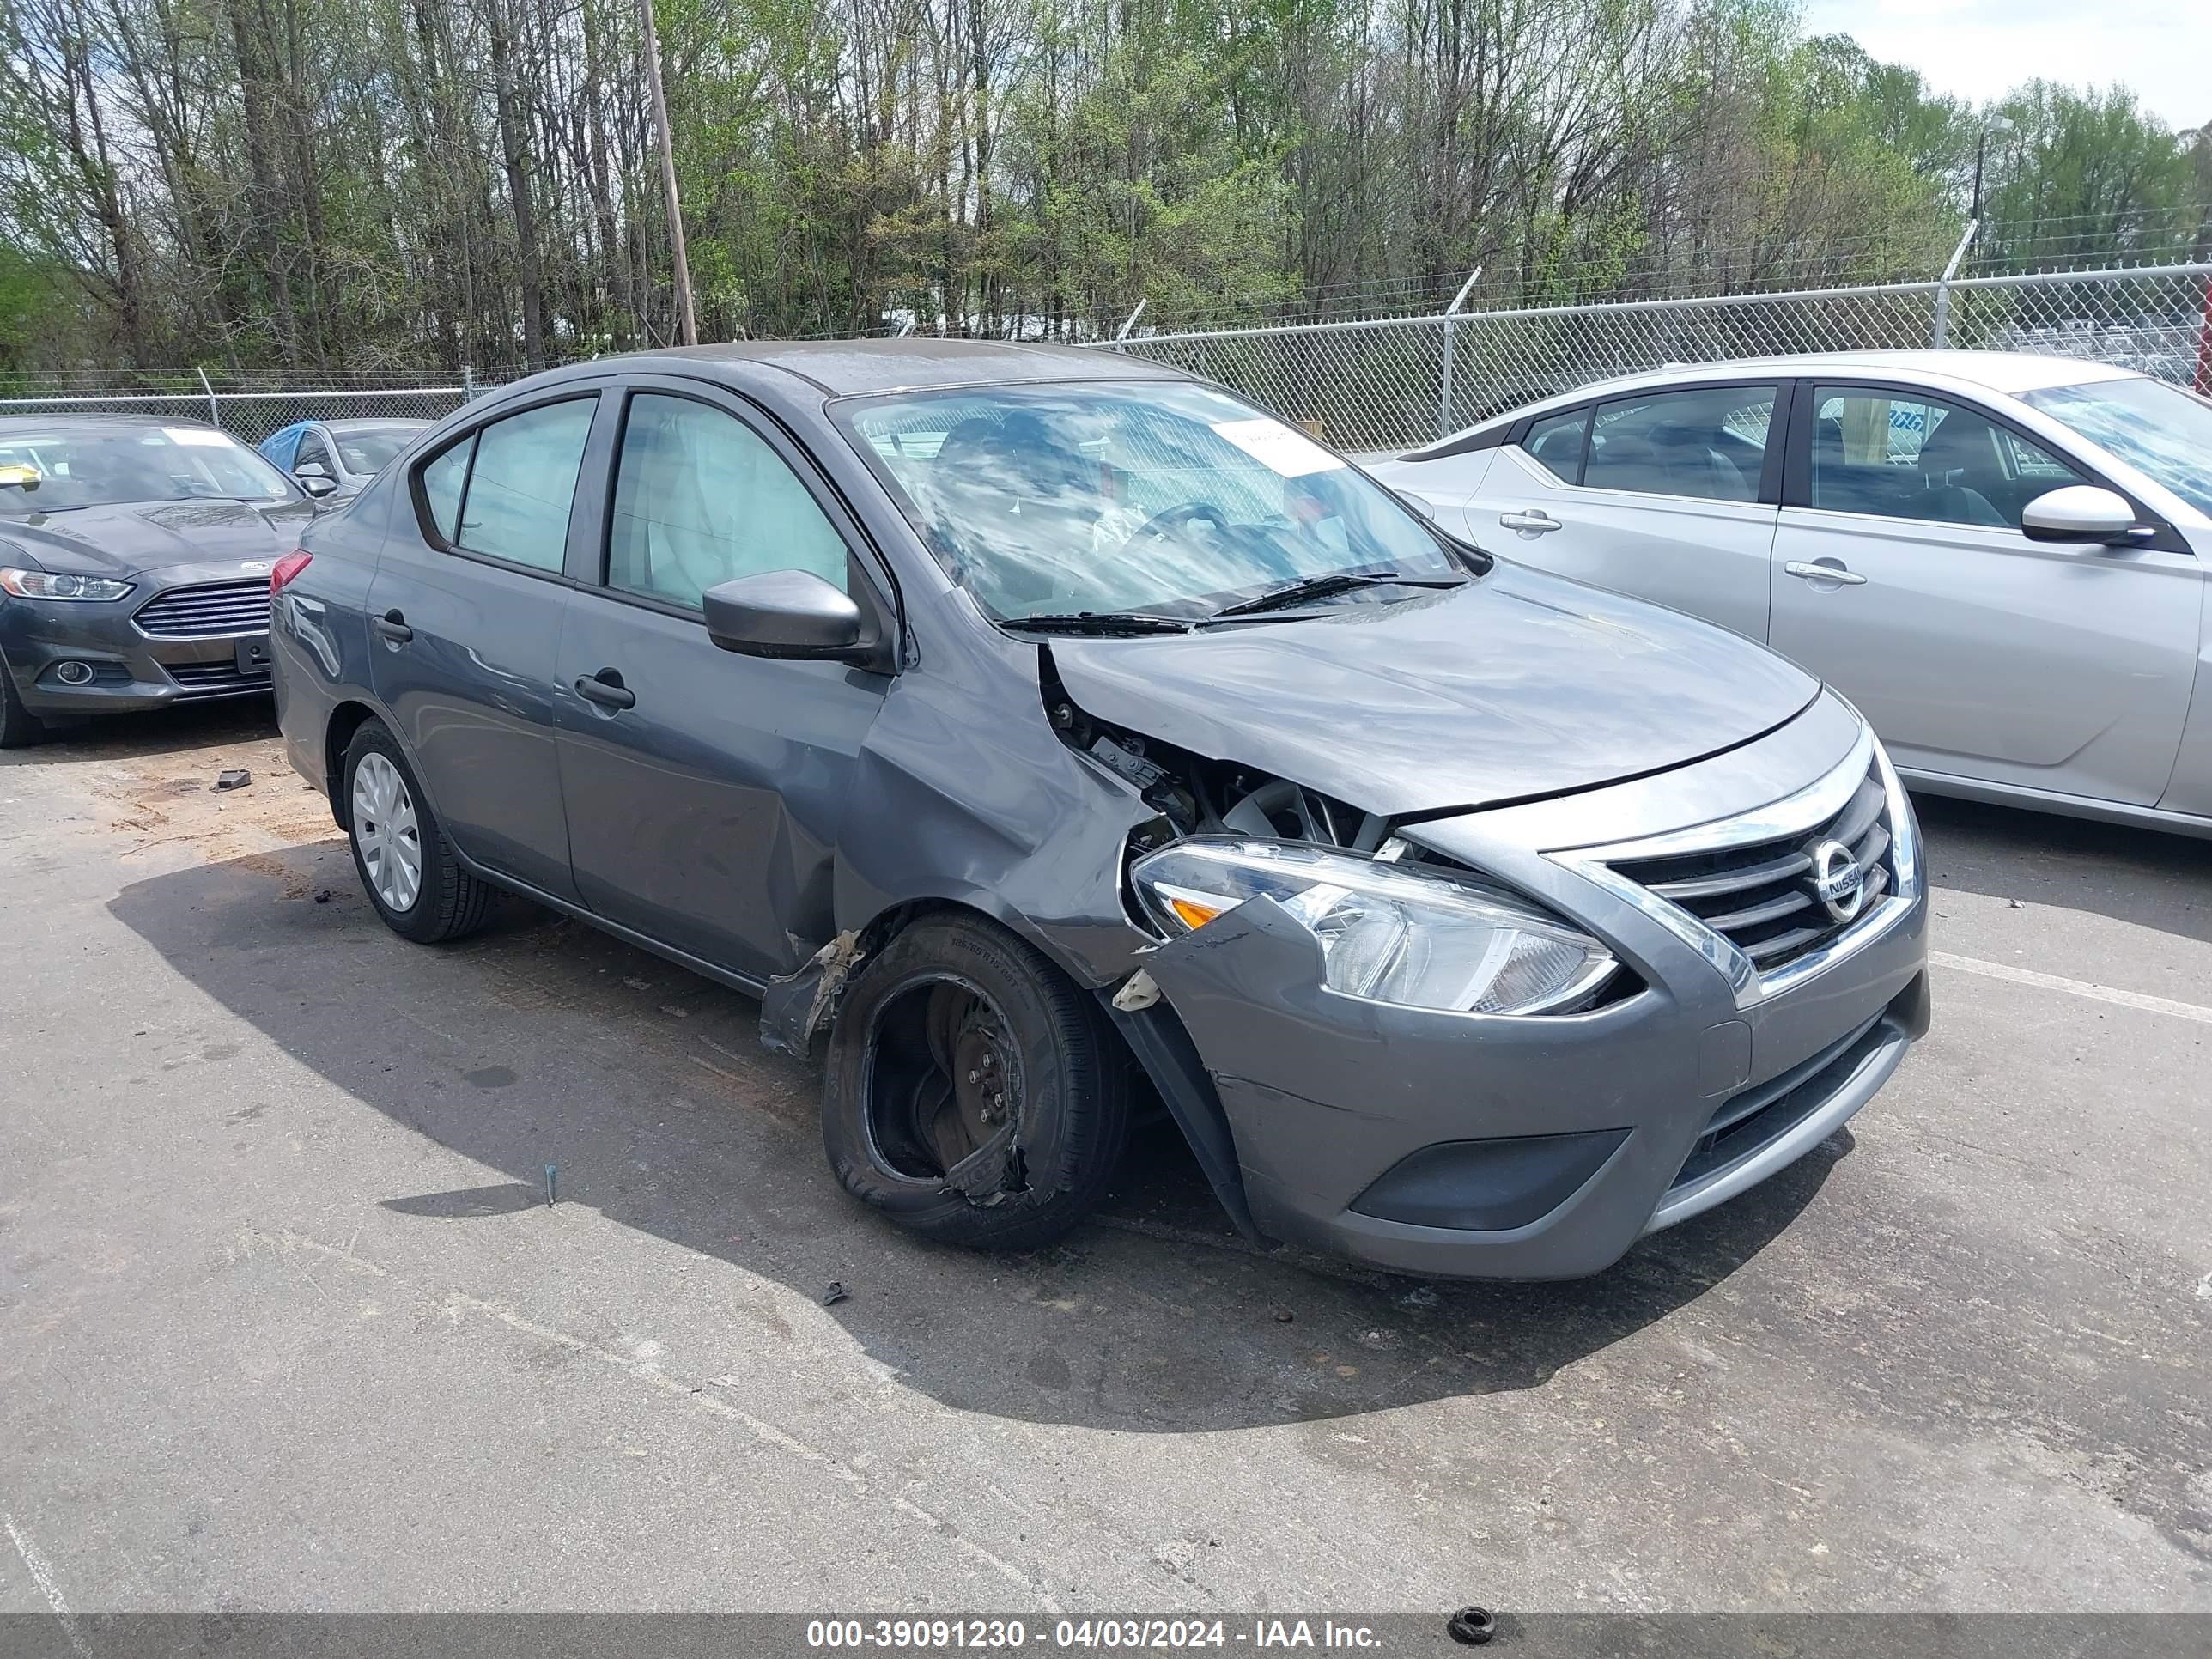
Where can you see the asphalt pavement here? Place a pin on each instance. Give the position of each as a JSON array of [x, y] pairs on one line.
[[286, 1322]]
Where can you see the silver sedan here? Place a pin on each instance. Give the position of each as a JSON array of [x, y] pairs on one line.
[[2002, 560]]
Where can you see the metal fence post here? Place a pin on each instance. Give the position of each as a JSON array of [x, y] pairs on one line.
[[1451, 341], [2204, 344], [468, 383], [1123, 333], [214, 416], [1943, 286]]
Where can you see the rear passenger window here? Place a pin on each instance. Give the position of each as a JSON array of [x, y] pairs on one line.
[[441, 486], [1556, 444], [506, 492], [1709, 442]]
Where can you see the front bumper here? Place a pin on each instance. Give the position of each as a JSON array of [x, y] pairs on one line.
[[1537, 1147], [131, 668]]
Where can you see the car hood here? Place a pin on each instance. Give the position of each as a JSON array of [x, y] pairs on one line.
[[127, 540], [1516, 686]]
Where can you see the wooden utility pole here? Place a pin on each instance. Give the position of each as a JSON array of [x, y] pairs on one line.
[[686, 316]]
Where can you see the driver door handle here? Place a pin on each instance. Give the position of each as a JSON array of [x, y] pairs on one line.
[[606, 689], [1819, 572], [1534, 522], [392, 626]]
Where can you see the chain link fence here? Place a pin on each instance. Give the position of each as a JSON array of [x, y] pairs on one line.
[[1398, 382], [249, 414]]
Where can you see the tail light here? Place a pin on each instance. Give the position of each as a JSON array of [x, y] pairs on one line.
[[281, 573]]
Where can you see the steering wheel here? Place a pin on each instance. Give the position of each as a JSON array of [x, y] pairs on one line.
[[1172, 521]]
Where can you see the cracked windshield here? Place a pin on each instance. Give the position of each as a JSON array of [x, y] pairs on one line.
[[1155, 501]]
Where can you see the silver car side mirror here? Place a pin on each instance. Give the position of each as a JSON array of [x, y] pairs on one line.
[[2084, 514]]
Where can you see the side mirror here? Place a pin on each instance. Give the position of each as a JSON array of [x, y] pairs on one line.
[[785, 614], [311, 470], [317, 483], [2083, 514]]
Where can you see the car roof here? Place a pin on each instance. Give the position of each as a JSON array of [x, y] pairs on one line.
[[13, 426], [369, 423], [846, 367], [2007, 372]]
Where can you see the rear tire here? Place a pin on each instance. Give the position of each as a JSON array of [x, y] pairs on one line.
[[959, 1047], [19, 726], [406, 866]]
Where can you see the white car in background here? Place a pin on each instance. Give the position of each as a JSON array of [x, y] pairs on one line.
[[2002, 560]]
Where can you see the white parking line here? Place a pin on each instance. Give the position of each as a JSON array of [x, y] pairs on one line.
[[2073, 986], [43, 1576]]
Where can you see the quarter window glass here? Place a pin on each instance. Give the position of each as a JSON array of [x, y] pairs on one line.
[[312, 448], [516, 506], [1556, 444], [441, 486], [700, 500], [1903, 456], [1709, 443]]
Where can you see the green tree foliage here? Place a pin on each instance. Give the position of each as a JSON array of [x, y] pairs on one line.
[[320, 185]]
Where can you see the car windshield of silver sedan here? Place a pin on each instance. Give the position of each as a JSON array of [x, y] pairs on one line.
[[1128, 506], [76, 467], [2160, 429]]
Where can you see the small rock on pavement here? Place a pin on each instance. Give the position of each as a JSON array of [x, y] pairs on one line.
[[834, 1293]]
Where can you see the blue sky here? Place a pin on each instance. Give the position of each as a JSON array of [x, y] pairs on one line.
[[1980, 49]]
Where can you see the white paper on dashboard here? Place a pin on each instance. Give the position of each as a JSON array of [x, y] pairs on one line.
[[1280, 448]]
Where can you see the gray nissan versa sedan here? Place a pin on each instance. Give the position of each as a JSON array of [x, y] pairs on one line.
[[1032, 728], [135, 555]]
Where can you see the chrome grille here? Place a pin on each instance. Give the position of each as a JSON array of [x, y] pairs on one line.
[[211, 610], [215, 676], [1765, 897]]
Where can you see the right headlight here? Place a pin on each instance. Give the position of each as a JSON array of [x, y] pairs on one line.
[[45, 584], [1388, 933]]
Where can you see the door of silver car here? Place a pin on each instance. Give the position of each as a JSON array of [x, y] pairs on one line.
[[1901, 577], [1668, 495]]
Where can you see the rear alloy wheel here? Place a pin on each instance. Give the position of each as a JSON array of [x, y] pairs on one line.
[[972, 1091], [19, 726], [404, 859]]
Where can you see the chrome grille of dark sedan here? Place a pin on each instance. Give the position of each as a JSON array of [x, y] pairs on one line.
[[1776, 900], [211, 609]]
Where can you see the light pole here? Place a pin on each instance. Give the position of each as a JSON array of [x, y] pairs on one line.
[[687, 319], [1996, 129]]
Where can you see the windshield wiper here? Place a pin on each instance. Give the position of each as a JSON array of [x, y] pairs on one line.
[[1322, 587], [1101, 621]]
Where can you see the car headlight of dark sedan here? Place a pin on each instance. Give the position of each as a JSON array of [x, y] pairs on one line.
[[45, 584], [1387, 933]]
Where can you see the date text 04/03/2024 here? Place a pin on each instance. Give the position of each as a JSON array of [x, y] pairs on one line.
[[1138, 1633]]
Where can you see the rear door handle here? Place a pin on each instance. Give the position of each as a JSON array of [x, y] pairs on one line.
[[1534, 522], [392, 626], [606, 689], [1821, 570]]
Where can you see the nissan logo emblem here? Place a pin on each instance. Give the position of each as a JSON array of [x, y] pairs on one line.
[[1837, 881]]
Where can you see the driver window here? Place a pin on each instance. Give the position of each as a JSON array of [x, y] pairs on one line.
[[700, 500], [312, 448], [1899, 456]]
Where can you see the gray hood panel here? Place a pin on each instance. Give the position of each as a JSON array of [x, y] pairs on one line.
[[126, 540], [1516, 686]]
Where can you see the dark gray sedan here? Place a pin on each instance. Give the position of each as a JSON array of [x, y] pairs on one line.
[[135, 558], [1040, 731]]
